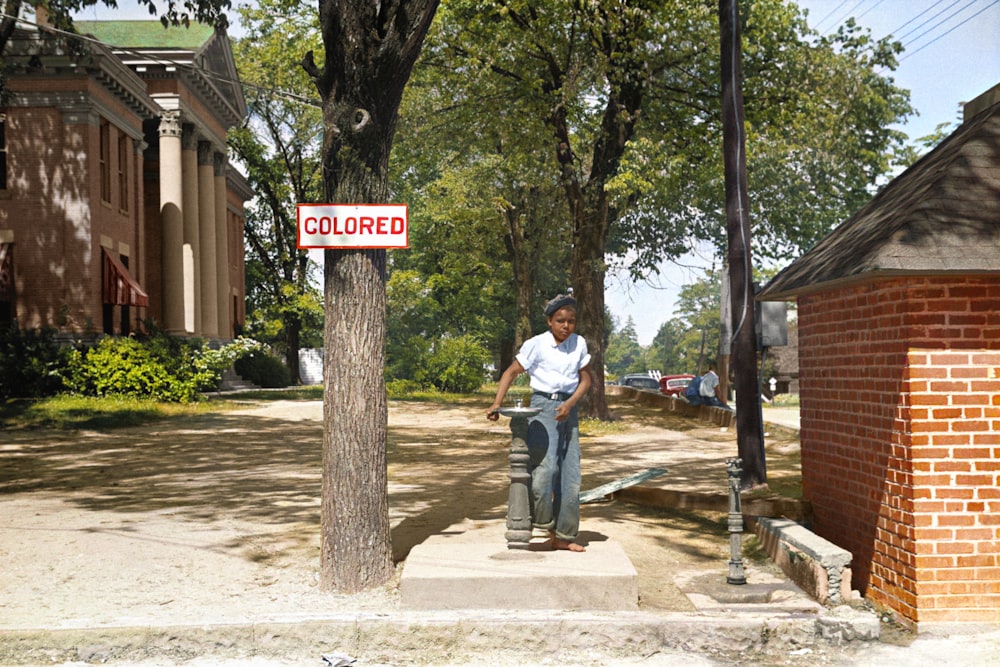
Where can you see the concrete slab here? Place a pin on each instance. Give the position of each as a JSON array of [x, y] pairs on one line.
[[763, 592], [452, 574]]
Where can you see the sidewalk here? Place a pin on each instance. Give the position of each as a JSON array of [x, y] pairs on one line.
[[197, 543]]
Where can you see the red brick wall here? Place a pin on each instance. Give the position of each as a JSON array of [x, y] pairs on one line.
[[900, 392], [54, 210]]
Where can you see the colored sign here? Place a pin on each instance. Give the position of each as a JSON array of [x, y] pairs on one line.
[[352, 226]]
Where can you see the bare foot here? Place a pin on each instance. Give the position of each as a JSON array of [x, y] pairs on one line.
[[566, 545]]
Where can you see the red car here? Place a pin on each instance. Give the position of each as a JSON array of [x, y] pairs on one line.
[[673, 385]]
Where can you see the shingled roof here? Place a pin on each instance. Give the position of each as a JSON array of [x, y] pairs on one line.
[[940, 216]]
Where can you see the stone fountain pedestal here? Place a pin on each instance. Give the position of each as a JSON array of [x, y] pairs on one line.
[[469, 567]]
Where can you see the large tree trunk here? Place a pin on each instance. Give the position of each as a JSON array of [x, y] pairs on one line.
[[592, 218], [356, 551], [524, 278], [369, 49], [588, 287]]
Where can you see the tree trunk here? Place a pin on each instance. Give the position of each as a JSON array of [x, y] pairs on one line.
[[588, 288], [356, 551], [523, 275], [749, 429], [293, 331], [369, 49]]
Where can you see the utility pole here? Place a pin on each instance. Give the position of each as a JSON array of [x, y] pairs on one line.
[[749, 431]]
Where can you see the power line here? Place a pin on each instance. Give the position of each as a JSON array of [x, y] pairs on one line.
[[918, 27], [861, 15], [848, 13], [829, 14], [896, 31], [950, 30]]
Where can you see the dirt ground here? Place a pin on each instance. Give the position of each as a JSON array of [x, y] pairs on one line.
[[214, 520], [220, 512]]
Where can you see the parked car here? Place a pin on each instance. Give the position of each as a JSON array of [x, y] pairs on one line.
[[640, 381], [674, 385]]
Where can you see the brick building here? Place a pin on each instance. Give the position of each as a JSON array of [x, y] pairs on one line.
[[117, 203], [899, 363]]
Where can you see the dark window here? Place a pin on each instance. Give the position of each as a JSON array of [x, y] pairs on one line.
[[3, 151], [6, 284], [123, 142], [126, 314], [105, 161]]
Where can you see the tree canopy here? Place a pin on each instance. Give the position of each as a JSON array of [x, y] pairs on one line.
[[617, 103], [279, 147]]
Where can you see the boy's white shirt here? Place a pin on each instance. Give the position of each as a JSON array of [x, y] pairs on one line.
[[554, 367], [708, 388]]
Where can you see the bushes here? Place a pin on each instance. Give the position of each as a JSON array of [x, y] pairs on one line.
[[263, 369], [161, 367], [457, 365], [32, 363], [125, 367]]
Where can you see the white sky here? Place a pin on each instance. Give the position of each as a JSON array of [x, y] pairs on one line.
[[952, 54]]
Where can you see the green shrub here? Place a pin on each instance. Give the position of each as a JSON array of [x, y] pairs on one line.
[[402, 388], [263, 369], [457, 365], [211, 363], [32, 363], [126, 367]]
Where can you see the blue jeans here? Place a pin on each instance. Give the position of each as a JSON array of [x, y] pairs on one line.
[[707, 400], [554, 465]]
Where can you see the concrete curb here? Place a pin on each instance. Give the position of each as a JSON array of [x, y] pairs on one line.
[[445, 636]]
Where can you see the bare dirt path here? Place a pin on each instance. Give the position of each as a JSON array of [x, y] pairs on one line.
[[217, 516]]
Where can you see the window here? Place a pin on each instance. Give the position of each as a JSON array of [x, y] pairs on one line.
[[123, 142], [105, 161], [3, 151], [6, 284]]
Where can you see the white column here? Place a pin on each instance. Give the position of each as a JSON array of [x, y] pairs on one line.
[[222, 248], [206, 213], [192, 239], [172, 221]]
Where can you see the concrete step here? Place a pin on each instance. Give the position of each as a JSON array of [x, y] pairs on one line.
[[443, 573]]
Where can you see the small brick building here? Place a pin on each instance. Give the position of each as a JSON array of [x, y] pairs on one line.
[[899, 363]]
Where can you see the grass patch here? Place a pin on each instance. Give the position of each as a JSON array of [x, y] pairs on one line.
[[783, 401], [590, 427], [307, 393], [66, 412]]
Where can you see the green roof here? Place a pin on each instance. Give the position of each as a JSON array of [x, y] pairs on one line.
[[147, 34]]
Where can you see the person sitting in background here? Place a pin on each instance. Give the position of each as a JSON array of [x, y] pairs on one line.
[[706, 390]]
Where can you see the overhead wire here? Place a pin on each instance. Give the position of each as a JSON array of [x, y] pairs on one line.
[[903, 36], [947, 32], [862, 14], [829, 14], [848, 13]]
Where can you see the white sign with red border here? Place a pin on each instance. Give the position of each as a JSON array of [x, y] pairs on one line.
[[352, 226]]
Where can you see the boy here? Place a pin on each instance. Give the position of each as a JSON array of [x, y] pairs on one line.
[[558, 363]]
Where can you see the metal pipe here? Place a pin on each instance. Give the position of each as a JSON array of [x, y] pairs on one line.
[[736, 575]]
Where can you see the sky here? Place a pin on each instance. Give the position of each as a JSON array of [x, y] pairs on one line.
[[952, 54]]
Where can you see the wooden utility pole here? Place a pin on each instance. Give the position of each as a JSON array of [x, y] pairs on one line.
[[749, 431]]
